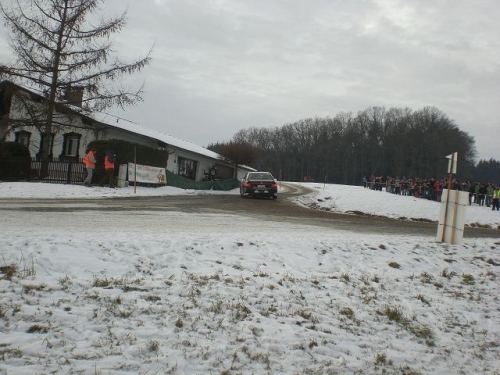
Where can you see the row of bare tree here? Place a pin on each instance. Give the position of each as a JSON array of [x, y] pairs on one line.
[[487, 171], [343, 149]]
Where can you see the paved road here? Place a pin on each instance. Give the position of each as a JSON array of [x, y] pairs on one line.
[[266, 210]]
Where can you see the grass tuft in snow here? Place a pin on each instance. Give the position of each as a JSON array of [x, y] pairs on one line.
[[101, 283], [447, 274], [36, 328], [393, 313], [35, 288], [468, 279], [153, 346], [8, 271], [423, 300], [8, 353], [65, 282], [381, 359], [345, 277], [426, 278], [23, 269], [420, 331]]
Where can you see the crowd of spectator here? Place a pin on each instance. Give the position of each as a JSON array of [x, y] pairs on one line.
[[487, 195]]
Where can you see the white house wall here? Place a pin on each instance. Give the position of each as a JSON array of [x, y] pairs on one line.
[[241, 173], [35, 137], [173, 161], [57, 148], [202, 163], [106, 129]]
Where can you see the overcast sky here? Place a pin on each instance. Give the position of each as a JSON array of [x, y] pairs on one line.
[[224, 65]]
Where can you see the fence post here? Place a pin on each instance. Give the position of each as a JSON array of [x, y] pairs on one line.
[[68, 177], [30, 170]]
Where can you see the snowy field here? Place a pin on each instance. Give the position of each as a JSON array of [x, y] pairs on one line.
[[160, 293]]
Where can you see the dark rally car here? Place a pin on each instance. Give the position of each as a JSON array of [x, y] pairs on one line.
[[259, 184]]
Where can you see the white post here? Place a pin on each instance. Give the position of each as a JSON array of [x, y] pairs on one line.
[[122, 175], [135, 169], [452, 215]]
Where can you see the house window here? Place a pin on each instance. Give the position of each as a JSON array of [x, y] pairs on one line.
[[187, 168], [23, 137], [71, 144]]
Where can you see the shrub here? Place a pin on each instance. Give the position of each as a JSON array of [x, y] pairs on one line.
[[15, 162], [10, 150]]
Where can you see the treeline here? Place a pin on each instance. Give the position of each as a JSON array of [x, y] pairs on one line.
[[488, 171], [343, 149]]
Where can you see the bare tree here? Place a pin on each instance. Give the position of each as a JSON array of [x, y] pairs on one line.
[[68, 59], [237, 152], [393, 142]]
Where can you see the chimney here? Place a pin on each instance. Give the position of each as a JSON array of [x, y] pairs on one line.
[[74, 95]]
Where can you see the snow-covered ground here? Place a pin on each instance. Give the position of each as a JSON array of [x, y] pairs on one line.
[[162, 293]]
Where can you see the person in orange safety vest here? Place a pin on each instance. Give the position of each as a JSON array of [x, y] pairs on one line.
[[89, 161]]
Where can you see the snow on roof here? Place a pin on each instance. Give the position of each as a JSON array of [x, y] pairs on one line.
[[120, 123], [133, 127]]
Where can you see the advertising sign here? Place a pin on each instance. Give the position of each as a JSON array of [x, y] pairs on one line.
[[146, 174]]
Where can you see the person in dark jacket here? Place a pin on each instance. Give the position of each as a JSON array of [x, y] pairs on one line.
[[489, 194], [481, 194], [109, 169]]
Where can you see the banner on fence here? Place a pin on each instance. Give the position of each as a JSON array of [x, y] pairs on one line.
[[146, 174]]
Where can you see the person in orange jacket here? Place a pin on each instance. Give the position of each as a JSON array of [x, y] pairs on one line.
[[89, 161], [109, 168]]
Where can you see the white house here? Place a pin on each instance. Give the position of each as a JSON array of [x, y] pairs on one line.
[[74, 129]]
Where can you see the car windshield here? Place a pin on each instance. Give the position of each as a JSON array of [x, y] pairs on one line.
[[260, 176]]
